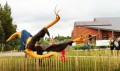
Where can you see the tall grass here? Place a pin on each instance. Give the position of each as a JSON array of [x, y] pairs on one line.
[[85, 61]]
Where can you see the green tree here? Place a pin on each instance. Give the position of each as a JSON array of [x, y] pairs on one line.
[[43, 42], [7, 21], [6, 27], [62, 38], [2, 34]]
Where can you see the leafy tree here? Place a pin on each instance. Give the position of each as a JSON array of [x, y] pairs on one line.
[[7, 20], [2, 34], [62, 38], [43, 42], [6, 27]]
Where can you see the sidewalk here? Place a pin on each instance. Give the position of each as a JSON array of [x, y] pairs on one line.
[[2, 54]]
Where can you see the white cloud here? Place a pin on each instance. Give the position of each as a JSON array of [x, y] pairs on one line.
[[32, 15]]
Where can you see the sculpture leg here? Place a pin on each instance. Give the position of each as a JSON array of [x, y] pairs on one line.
[[59, 47]]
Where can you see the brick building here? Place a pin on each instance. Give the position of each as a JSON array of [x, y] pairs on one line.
[[105, 27]]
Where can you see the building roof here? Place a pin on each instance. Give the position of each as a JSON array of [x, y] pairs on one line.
[[108, 23], [92, 23]]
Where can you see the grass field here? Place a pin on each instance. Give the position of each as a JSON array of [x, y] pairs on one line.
[[94, 60]]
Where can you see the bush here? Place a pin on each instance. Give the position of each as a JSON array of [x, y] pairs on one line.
[[43, 42], [81, 46], [78, 47]]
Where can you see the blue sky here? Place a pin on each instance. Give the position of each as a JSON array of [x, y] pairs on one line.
[[33, 15]]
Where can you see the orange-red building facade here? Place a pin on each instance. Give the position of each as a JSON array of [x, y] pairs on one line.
[[84, 31]]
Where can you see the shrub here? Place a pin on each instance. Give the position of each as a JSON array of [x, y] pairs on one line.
[[82, 46], [78, 47]]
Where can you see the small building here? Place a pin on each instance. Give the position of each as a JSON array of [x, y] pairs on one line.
[[104, 27]]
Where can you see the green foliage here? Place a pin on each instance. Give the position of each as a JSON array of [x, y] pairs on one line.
[[2, 34], [17, 47], [78, 47], [13, 44], [82, 46], [62, 38], [43, 42], [7, 27], [6, 21]]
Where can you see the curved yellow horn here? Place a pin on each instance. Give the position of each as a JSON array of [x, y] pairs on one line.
[[53, 22], [80, 39], [32, 54], [17, 34]]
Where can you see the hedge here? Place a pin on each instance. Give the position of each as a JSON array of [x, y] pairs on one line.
[[82, 46]]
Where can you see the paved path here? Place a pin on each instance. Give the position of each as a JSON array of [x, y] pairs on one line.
[[2, 54]]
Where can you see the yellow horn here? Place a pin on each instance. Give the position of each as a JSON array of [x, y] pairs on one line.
[[17, 34], [80, 39], [53, 22], [32, 54]]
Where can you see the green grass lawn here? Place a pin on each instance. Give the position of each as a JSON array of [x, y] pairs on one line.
[[97, 52], [88, 61]]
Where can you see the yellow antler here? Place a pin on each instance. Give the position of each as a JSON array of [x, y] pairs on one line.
[[80, 40], [54, 21], [16, 34]]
